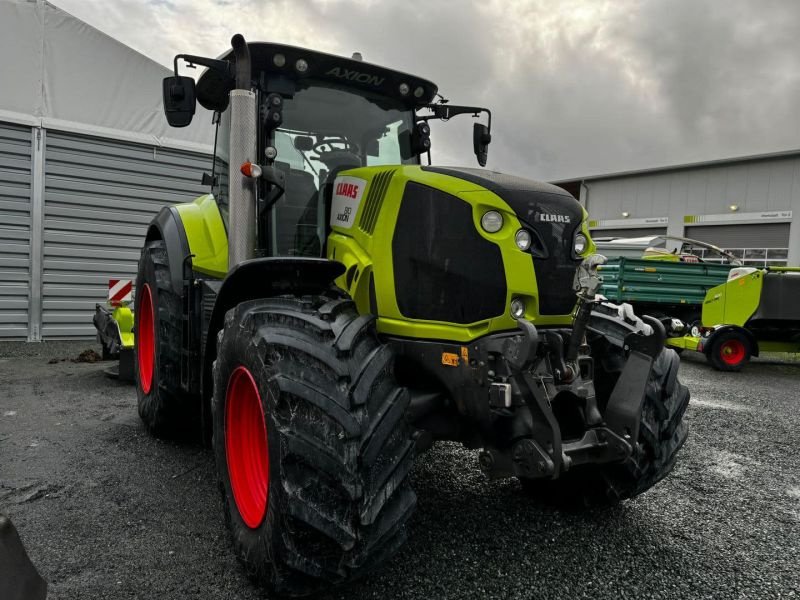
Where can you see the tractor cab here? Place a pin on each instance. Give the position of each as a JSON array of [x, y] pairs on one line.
[[316, 116]]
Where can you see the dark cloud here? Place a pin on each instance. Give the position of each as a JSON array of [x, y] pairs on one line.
[[728, 71], [577, 87]]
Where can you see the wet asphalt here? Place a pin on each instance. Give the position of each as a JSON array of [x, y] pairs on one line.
[[107, 511]]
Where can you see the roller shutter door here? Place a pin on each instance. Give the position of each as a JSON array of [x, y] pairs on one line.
[[15, 230], [757, 244], [762, 235], [99, 197]]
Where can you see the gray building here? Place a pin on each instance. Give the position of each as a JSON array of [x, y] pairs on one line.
[[749, 205], [86, 160]]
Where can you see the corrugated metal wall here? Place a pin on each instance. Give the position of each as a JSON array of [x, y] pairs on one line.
[[15, 229], [755, 186], [99, 197]]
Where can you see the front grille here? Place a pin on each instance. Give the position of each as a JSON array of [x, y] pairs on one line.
[[555, 273], [531, 201], [444, 270], [374, 200]]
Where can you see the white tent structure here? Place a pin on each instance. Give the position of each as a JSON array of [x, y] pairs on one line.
[[86, 160]]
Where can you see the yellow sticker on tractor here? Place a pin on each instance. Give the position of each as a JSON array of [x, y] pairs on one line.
[[465, 353]]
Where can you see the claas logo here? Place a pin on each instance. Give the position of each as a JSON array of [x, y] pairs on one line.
[[551, 218], [347, 189]]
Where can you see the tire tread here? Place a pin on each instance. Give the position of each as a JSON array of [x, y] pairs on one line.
[[346, 448]]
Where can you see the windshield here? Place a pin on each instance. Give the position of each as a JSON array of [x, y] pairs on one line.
[[324, 131]]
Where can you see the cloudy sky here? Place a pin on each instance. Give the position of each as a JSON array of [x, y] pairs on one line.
[[577, 87]]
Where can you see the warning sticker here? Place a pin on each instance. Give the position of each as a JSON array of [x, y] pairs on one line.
[[347, 192], [450, 359]]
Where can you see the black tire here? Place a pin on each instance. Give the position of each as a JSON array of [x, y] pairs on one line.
[[662, 433], [162, 407], [730, 351], [339, 447]]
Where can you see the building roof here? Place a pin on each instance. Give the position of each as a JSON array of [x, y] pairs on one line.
[[680, 167], [61, 73]]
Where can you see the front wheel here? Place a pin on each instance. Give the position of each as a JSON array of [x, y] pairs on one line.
[[311, 442]]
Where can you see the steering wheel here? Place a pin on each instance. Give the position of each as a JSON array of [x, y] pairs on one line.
[[333, 145], [335, 152]]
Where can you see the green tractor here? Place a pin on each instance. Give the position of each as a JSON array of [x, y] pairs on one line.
[[332, 308]]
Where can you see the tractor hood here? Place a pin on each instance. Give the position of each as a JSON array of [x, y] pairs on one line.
[[533, 201], [555, 217]]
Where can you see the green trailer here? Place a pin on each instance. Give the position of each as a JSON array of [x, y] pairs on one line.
[[662, 288]]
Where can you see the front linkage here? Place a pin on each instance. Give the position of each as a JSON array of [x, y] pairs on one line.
[[543, 417], [536, 378], [537, 372]]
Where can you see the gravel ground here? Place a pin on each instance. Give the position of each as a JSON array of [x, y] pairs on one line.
[[106, 511]]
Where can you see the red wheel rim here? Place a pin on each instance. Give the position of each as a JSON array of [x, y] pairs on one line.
[[732, 352], [146, 338], [246, 447]]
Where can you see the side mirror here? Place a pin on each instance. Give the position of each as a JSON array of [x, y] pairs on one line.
[[480, 142], [179, 100]]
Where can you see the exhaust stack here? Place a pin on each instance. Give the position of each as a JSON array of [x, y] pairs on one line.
[[242, 200]]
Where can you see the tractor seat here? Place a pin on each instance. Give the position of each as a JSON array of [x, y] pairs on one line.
[[307, 241], [295, 225]]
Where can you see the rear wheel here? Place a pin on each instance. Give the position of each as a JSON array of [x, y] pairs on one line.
[[730, 351], [311, 442], [157, 345]]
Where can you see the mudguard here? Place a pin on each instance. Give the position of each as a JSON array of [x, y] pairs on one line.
[[167, 226], [262, 278], [19, 579]]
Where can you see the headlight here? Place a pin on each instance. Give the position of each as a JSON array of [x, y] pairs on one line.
[[580, 243], [523, 239], [517, 308], [492, 221]]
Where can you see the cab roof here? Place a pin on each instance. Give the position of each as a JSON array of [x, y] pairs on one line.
[[280, 61]]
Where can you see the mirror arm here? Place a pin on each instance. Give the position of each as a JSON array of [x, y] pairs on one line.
[[447, 111], [220, 66]]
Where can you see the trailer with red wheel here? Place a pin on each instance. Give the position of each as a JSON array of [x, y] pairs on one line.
[[754, 311]]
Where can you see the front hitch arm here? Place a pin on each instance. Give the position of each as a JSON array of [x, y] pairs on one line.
[[624, 409], [586, 284]]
